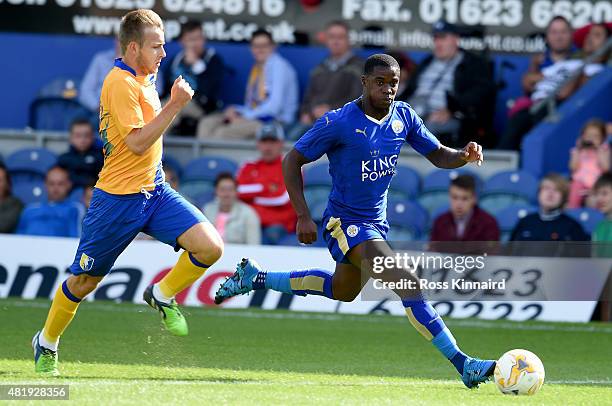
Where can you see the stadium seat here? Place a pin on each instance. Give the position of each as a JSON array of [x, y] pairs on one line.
[[172, 162], [76, 195], [441, 209], [317, 209], [207, 168], [30, 191], [508, 188], [408, 220], [587, 217], [202, 199], [509, 216], [199, 175], [57, 105], [193, 190], [406, 183], [317, 184], [56, 114], [30, 164], [439, 179], [317, 175], [435, 187]]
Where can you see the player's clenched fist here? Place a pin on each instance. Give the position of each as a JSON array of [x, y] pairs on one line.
[[306, 230], [181, 93]]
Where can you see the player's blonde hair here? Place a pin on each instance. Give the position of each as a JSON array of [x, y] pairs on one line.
[[133, 25]]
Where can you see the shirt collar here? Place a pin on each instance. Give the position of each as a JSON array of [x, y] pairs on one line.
[[121, 65]]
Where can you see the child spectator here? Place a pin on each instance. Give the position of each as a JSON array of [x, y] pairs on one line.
[[603, 234], [588, 160]]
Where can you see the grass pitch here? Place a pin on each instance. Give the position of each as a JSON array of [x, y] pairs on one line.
[[118, 354]]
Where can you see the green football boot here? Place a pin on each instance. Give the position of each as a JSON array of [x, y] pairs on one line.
[[171, 315], [45, 360]]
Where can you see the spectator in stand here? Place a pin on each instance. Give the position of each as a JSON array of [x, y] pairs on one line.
[[10, 206], [407, 69], [546, 72], [596, 38], [465, 221], [91, 85], [84, 159], [261, 184], [452, 89], [271, 95], [603, 235], [236, 222], [603, 198], [58, 217], [203, 69], [334, 82], [588, 160], [550, 223]]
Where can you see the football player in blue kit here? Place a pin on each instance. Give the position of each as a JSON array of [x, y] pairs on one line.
[[362, 141]]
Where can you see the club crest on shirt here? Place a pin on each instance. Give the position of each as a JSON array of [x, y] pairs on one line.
[[352, 230], [397, 126]]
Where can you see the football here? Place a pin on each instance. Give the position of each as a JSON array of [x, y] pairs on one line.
[[519, 372]]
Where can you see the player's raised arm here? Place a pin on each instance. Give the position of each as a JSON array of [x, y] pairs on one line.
[[141, 139], [292, 171], [450, 158]]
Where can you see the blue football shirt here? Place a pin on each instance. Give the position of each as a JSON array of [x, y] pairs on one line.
[[362, 154]]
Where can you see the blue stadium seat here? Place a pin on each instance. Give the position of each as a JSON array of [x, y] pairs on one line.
[[407, 219], [207, 168], [171, 162], [439, 179], [56, 114], [199, 175], [193, 190], [202, 199], [435, 188], [587, 217], [508, 188], [317, 184], [30, 191], [406, 183], [508, 217], [437, 212], [317, 209], [30, 164], [76, 195], [317, 175]]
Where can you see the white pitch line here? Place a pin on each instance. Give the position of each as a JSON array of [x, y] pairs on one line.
[[268, 314], [132, 382]]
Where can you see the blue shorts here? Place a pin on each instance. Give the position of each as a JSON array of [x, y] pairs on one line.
[[113, 221], [341, 235]]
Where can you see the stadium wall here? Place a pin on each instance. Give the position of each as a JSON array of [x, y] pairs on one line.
[[34, 60], [546, 148], [33, 267]]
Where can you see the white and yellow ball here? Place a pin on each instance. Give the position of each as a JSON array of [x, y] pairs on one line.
[[519, 372]]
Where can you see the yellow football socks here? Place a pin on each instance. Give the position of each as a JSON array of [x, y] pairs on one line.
[[186, 271], [60, 315]]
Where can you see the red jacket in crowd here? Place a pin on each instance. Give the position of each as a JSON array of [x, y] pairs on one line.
[[480, 227], [261, 185]]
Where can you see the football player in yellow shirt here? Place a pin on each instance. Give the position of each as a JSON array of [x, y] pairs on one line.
[[131, 195]]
